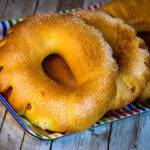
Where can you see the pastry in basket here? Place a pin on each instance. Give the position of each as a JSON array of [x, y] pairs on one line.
[[137, 14], [45, 102], [132, 59]]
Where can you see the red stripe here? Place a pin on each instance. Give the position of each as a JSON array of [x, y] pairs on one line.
[[137, 111], [114, 115], [133, 109], [63, 133], [89, 7], [101, 5], [95, 6], [127, 111], [123, 114]]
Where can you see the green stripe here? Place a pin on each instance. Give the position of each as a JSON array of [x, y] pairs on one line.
[[48, 137], [17, 20], [70, 10], [63, 11], [10, 23], [98, 123], [39, 135], [104, 120]]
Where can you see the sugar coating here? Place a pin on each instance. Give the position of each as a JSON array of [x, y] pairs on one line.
[[133, 72], [135, 13], [54, 106]]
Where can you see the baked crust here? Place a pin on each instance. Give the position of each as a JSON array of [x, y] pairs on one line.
[[45, 102], [133, 61], [137, 14]]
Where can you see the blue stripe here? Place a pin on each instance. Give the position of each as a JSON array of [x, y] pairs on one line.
[[13, 112], [130, 107], [92, 126], [4, 28]]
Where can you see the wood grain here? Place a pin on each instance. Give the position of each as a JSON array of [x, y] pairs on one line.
[[69, 4], [46, 5], [94, 139], [17, 9], [91, 2], [2, 115], [33, 143], [11, 134], [131, 133], [143, 140]]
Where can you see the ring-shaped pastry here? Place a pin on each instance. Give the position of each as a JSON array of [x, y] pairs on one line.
[[133, 72], [137, 14], [45, 102]]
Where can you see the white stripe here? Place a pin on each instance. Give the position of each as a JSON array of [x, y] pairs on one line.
[[14, 21], [7, 25]]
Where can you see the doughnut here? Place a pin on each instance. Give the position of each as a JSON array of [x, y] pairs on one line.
[[133, 61], [135, 13], [47, 103]]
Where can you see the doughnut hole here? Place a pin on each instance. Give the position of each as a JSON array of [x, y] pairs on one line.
[[146, 37], [58, 70]]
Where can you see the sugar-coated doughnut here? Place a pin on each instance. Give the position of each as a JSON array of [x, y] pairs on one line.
[[133, 61], [134, 12], [45, 102], [137, 14]]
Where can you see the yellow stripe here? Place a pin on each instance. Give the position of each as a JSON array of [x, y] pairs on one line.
[[55, 135], [111, 119]]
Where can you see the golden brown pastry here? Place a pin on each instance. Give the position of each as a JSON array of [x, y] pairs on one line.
[[133, 61], [45, 102], [134, 12], [137, 14]]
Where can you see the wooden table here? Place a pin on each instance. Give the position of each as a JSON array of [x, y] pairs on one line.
[[128, 134]]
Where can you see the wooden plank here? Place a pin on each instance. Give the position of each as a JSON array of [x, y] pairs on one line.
[[3, 4], [11, 134], [93, 2], [11, 9], [33, 143], [94, 139], [69, 4], [131, 133], [143, 141], [2, 114], [46, 5]]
